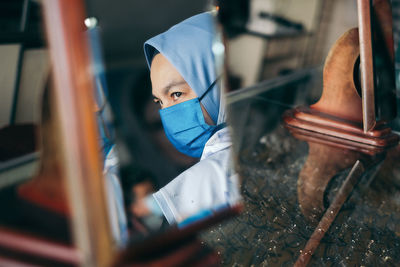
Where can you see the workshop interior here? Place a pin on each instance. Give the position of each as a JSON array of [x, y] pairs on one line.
[[311, 94]]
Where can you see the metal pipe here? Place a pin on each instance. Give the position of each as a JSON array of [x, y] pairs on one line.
[[366, 64], [330, 214]]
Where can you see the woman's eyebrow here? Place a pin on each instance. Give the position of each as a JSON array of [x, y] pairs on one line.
[[168, 87], [172, 84]]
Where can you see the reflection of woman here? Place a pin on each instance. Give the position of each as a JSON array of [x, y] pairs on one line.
[[185, 85]]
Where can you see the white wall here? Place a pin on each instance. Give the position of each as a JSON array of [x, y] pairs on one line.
[[344, 17], [8, 68], [33, 79], [245, 53], [300, 11], [35, 69], [244, 57]]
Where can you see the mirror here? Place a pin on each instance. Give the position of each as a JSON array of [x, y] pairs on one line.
[[191, 173], [174, 163]]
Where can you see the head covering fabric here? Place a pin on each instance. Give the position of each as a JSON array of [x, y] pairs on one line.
[[188, 47]]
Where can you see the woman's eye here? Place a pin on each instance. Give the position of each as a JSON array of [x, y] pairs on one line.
[[176, 95], [156, 101]]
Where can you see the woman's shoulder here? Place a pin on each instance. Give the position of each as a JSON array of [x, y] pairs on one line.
[[220, 141], [111, 162], [213, 164]]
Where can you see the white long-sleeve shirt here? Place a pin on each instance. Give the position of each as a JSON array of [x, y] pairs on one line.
[[209, 184]]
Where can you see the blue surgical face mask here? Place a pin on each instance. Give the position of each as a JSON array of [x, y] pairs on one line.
[[185, 126]]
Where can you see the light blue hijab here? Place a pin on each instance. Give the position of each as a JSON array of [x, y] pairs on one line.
[[188, 46]]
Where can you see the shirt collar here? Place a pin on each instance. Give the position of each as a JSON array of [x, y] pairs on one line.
[[220, 140]]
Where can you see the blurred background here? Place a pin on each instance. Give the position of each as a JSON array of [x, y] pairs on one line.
[[274, 38]]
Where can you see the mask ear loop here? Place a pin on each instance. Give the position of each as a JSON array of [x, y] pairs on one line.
[[209, 88], [222, 125]]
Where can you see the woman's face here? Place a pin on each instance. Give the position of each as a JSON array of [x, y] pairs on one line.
[[169, 87]]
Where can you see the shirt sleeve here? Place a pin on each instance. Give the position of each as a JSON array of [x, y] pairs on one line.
[[115, 202]]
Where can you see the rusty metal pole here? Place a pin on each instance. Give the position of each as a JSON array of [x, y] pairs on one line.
[[82, 166], [366, 64], [330, 214]]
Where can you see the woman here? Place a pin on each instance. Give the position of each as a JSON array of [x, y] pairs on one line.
[[186, 86]]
